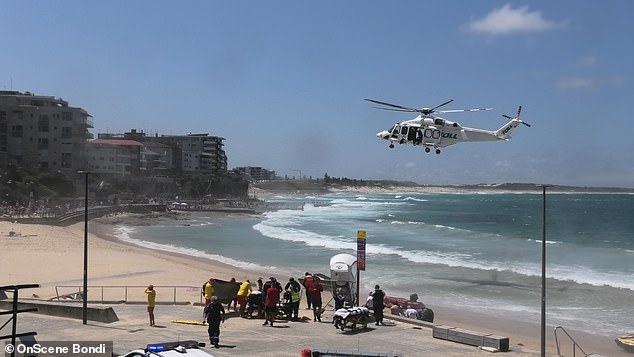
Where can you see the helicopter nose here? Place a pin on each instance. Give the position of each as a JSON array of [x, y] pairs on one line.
[[383, 134]]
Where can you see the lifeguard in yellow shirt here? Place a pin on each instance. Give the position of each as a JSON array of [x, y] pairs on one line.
[[243, 294], [151, 302], [209, 291]]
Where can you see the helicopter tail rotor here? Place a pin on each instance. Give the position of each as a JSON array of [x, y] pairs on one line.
[[517, 116]]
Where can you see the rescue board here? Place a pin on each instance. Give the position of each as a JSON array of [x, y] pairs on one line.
[[626, 342], [189, 322]]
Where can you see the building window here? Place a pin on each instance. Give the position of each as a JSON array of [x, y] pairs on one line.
[[67, 160], [16, 131], [42, 143], [67, 132], [42, 124], [17, 115]]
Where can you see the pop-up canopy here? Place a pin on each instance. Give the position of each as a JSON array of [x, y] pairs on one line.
[[343, 267], [343, 275]]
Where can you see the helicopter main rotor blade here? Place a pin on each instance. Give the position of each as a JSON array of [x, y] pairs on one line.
[[463, 110], [438, 106], [397, 110], [402, 108]]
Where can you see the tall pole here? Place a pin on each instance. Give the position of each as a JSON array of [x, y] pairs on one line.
[[543, 319], [358, 302], [361, 235], [85, 295]]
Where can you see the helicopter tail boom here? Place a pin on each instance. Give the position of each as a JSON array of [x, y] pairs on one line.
[[504, 133]]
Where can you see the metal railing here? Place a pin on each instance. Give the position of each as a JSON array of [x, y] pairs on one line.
[[128, 293], [575, 345]]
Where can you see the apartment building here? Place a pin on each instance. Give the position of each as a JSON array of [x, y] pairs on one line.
[[175, 154], [115, 157], [42, 132], [45, 133], [256, 173], [202, 153]]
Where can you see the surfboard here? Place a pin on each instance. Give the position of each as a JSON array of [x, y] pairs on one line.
[[189, 322]]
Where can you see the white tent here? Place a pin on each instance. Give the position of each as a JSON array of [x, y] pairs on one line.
[[343, 274], [343, 267]]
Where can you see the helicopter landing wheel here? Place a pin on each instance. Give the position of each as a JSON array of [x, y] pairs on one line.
[[391, 146], [437, 151], [427, 149]]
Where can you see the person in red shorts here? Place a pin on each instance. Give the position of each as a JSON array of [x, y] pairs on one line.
[[314, 290], [272, 294]]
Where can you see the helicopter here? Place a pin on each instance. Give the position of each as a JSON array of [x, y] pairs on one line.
[[430, 131]]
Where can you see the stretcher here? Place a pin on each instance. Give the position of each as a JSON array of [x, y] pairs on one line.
[[353, 317]]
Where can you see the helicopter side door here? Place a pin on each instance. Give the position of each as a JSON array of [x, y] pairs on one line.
[[412, 134]]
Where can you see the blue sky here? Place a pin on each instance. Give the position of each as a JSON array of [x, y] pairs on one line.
[[284, 81]]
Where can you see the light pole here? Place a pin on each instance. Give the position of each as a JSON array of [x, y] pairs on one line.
[[85, 294], [543, 319]]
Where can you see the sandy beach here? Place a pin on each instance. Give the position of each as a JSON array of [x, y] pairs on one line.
[[53, 256]]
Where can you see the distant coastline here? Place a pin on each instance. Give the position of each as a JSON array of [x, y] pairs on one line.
[[321, 187]]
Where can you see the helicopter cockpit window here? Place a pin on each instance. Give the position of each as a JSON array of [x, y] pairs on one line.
[[404, 130], [395, 129], [439, 122]]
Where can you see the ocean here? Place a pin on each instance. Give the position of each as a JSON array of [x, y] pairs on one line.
[[480, 252]]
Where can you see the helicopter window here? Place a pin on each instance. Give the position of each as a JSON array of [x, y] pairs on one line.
[[395, 129], [411, 136], [439, 122], [404, 130]]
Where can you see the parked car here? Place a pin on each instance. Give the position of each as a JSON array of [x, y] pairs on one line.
[[167, 349]]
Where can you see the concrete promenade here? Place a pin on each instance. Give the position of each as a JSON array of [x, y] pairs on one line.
[[247, 337]]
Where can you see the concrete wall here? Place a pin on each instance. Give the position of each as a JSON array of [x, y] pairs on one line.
[[100, 314]]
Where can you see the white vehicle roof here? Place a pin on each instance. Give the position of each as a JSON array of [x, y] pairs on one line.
[[169, 349]]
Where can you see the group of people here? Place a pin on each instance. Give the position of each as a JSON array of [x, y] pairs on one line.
[[411, 308], [272, 291], [214, 312], [272, 295]]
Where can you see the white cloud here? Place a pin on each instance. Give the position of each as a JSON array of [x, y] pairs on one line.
[[506, 20], [575, 83], [503, 164]]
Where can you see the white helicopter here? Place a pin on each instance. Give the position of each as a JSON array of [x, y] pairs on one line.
[[428, 130]]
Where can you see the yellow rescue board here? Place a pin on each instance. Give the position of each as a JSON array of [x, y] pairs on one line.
[[189, 322]]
